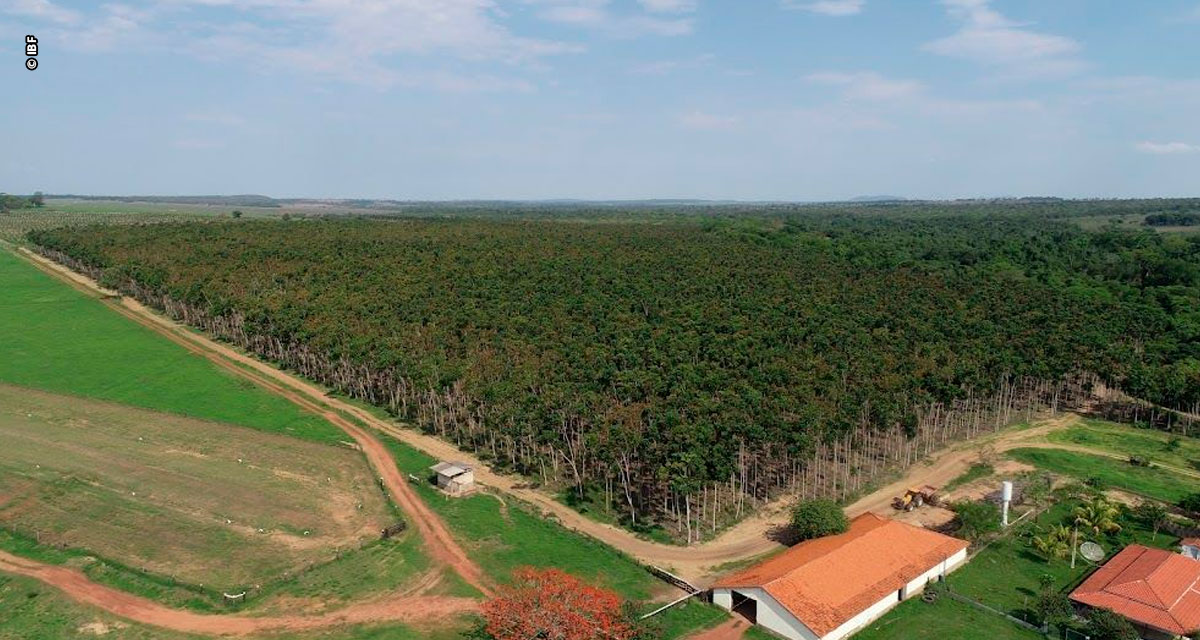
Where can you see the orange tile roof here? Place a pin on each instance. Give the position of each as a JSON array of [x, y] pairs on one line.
[[826, 581], [1190, 542], [1152, 587]]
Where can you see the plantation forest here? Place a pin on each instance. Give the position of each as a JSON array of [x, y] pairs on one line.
[[674, 366]]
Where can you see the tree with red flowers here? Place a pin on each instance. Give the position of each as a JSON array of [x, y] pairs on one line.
[[551, 604]]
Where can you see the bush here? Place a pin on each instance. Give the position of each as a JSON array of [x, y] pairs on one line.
[[1140, 461], [1053, 607], [977, 519], [817, 518], [1191, 503], [1106, 625]]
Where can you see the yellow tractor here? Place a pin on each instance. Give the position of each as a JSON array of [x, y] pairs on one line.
[[916, 497]]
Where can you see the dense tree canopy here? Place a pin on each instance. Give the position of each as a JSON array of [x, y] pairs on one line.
[[653, 352]]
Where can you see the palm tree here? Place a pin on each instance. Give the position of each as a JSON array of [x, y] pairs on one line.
[[1098, 516], [1055, 543]]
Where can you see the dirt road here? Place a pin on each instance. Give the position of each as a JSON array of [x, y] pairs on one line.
[[406, 608], [745, 540], [439, 542]]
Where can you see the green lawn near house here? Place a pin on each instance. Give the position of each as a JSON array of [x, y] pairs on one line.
[[945, 619]]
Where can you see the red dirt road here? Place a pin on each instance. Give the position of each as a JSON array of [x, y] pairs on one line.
[[76, 585]]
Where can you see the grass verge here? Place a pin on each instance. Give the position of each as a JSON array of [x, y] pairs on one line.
[[1156, 483]]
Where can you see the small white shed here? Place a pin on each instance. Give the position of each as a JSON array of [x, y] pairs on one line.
[[455, 478]]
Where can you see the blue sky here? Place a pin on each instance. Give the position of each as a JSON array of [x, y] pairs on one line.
[[603, 99]]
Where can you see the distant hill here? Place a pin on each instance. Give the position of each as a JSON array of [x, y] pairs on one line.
[[879, 199]]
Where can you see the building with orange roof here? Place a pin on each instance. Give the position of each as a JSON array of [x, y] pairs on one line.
[[1156, 590], [828, 588]]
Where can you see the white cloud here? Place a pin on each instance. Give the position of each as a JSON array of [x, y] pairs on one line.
[[990, 38], [43, 10], [381, 42], [598, 15], [867, 85], [1167, 148], [668, 6], [703, 121], [829, 7]]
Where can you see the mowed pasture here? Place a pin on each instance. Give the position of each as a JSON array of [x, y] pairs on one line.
[[204, 502], [62, 340]]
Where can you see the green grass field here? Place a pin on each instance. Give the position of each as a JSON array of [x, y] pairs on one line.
[[1124, 440], [502, 535], [33, 610], [946, 619], [58, 339], [1156, 483], [1006, 575]]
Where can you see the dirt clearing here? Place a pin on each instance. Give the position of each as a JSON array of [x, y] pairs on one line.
[[205, 502], [417, 609]]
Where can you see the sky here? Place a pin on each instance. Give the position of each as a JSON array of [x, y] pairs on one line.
[[603, 99]]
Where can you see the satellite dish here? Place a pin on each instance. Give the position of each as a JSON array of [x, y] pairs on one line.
[[1091, 552]]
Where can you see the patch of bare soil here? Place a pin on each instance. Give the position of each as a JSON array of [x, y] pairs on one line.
[[422, 609]]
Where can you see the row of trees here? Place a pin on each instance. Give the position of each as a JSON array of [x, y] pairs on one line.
[[1174, 219], [674, 371], [9, 202]]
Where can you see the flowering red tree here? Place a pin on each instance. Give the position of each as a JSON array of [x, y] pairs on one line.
[[551, 604]]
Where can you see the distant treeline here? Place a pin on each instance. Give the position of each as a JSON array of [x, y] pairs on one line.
[[1174, 219], [9, 202], [662, 369], [218, 201]]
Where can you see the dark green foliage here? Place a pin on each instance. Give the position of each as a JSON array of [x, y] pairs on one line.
[[1176, 219], [1191, 503], [817, 518], [1053, 607], [10, 202], [1105, 625], [976, 519], [1151, 514], [658, 352]]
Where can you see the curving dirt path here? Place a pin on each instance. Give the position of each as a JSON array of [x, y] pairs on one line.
[[439, 542], [697, 563], [75, 584]]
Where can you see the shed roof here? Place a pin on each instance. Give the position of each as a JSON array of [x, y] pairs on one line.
[[1152, 587], [827, 581], [450, 469]]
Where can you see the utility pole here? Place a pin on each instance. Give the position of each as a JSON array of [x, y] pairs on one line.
[[1074, 545]]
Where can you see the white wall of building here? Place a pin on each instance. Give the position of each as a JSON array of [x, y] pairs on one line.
[[769, 613], [865, 618], [775, 617]]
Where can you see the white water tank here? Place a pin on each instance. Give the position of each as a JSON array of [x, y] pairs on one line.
[[1006, 492]]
